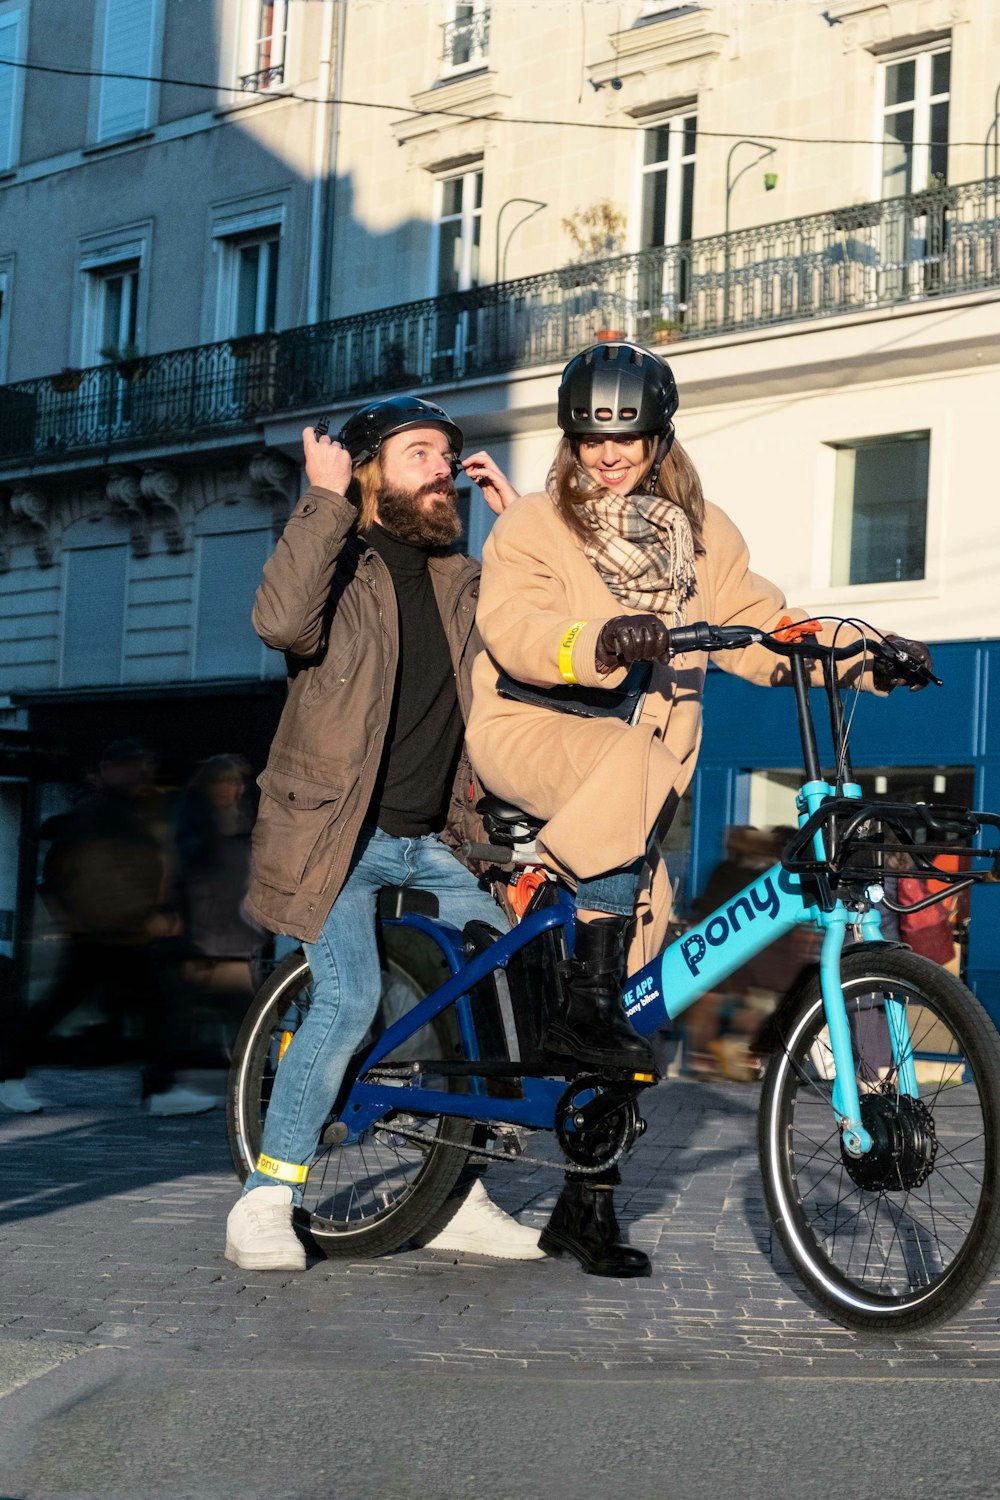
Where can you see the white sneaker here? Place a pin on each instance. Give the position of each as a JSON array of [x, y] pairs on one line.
[[16, 1095], [479, 1227], [179, 1101], [259, 1233]]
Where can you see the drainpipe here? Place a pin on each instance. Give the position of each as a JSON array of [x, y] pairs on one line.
[[326, 124]]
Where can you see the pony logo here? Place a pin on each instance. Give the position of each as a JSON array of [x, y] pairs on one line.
[[758, 900]]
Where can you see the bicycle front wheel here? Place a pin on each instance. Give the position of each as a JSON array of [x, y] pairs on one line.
[[904, 1236], [363, 1199]]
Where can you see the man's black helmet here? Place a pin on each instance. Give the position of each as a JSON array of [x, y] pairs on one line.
[[617, 388], [364, 433]]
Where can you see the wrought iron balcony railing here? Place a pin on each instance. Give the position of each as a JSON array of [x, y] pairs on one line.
[[929, 245], [466, 41]]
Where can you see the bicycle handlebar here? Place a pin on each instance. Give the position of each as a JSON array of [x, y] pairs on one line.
[[704, 637]]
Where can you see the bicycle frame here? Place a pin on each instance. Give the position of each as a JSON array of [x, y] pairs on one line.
[[767, 909]]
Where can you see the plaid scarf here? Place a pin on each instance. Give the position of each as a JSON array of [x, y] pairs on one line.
[[641, 545]]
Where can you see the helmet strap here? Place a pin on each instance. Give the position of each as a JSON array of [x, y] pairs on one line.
[[663, 447]]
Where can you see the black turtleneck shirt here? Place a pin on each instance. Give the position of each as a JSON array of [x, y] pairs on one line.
[[425, 730]]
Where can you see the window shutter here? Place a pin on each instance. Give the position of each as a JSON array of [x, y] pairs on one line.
[[128, 48], [9, 27]]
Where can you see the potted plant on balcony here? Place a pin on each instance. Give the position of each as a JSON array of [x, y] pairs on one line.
[[127, 360], [665, 330], [597, 232], [68, 379]]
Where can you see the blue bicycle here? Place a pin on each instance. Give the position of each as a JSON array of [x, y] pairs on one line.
[[879, 1123]]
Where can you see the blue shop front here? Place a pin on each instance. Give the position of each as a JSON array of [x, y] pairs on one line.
[[941, 744]]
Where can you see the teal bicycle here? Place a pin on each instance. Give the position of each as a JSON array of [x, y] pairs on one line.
[[879, 1120]]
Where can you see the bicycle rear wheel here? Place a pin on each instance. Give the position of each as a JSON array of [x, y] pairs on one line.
[[369, 1197], [904, 1236]]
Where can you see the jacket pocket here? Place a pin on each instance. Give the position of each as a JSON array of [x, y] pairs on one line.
[[293, 817], [332, 671]]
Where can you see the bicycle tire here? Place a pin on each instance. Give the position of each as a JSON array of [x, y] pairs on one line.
[[364, 1199], [888, 1251]]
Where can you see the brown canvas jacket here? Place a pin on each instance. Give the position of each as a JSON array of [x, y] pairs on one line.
[[327, 601]]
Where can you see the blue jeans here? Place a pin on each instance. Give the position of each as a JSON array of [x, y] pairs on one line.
[[614, 892], [347, 984]]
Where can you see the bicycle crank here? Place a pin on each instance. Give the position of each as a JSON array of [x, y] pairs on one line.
[[597, 1122]]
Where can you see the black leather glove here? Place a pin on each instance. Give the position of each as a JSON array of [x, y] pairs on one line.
[[629, 638], [887, 674]]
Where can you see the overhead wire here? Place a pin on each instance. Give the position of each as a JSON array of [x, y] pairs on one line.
[[410, 111]]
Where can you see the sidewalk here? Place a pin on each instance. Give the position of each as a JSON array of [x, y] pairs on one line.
[[114, 1225]]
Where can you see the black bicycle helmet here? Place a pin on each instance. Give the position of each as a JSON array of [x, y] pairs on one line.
[[618, 388], [364, 433]]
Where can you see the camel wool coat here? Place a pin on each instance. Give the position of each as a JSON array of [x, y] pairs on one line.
[[601, 785]]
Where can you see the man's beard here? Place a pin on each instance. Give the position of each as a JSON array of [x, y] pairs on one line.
[[404, 515]]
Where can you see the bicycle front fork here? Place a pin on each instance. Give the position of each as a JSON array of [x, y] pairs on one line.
[[846, 1098]]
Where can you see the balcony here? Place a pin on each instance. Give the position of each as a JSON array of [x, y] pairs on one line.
[[938, 243]]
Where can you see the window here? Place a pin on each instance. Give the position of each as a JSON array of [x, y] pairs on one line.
[[11, 84], [254, 285], [266, 26], [457, 237], [668, 181], [880, 510], [93, 614], [125, 105], [229, 571], [466, 35], [114, 296], [666, 216], [915, 103], [248, 245], [458, 230]]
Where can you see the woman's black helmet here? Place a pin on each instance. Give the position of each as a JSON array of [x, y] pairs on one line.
[[617, 388], [364, 433]]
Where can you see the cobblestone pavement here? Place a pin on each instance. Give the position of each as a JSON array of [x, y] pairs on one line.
[[112, 1230]]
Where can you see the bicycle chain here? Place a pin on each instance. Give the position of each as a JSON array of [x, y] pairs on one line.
[[480, 1153]]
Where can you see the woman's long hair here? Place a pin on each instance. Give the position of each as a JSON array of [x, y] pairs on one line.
[[677, 481]]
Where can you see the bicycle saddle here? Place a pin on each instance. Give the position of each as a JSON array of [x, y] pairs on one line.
[[495, 811]]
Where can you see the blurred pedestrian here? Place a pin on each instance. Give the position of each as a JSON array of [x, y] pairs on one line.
[[212, 828], [103, 881]]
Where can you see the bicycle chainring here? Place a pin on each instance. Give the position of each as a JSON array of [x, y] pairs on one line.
[[599, 1144]]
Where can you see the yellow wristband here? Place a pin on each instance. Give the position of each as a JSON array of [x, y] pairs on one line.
[[566, 651], [287, 1171]]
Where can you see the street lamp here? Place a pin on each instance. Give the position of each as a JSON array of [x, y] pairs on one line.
[[770, 181], [500, 266]]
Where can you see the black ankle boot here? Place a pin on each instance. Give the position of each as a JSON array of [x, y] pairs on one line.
[[583, 1224], [594, 1028]]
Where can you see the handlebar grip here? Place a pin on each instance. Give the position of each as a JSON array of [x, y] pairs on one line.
[[704, 637], [491, 854], [697, 637]]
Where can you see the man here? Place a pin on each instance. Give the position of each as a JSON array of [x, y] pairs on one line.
[[367, 780]]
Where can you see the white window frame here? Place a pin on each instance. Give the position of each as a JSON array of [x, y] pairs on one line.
[[150, 64], [230, 231], [938, 480], [481, 20], [14, 16], [921, 104], [467, 218], [677, 159], [97, 257], [248, 68]]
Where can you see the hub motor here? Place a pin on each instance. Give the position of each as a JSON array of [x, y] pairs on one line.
[[904, 1144]]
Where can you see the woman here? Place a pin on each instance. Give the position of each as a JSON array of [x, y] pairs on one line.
[[579, 583]]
